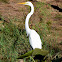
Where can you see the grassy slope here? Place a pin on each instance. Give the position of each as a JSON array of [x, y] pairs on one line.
[[13, 40]]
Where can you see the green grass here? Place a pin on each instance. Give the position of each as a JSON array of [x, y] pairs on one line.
[[13, 39], [12, 42]]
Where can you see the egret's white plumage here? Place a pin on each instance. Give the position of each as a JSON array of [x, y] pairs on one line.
[[35, 40], [34, 37]]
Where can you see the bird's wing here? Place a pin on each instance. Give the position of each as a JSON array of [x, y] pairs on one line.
[[35, 40]]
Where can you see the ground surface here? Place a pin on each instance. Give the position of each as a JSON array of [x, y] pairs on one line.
[[13, 10], [53, 18]]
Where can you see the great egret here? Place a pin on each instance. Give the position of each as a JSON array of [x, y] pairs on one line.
[[34, 37]]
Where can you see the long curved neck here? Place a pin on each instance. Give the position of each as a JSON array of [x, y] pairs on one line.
[[27, 20]]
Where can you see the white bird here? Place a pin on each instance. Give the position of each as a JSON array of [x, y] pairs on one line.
[[34, 37]]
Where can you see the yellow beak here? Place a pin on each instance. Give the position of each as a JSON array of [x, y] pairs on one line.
[[22, 3]]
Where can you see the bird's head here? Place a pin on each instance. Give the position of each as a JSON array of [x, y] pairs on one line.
[[26, 3]]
